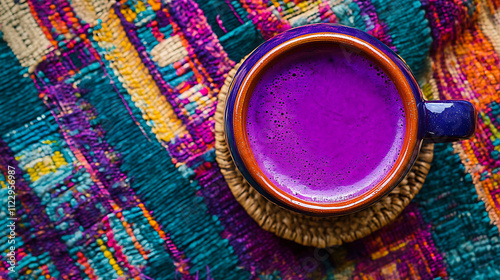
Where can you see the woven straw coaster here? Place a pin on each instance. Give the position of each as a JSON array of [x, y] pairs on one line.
[[314, 231]]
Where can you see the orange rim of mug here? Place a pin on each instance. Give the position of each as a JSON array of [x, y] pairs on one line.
[[357, 202]]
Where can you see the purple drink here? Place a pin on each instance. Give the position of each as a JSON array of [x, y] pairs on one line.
[[325, 124]]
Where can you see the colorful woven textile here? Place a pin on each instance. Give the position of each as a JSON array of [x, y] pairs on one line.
[[107, 134]]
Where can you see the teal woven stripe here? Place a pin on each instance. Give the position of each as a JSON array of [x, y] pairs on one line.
[[241, 41], [461, 228], [158, 262], [162, 187], [35, 263], [219, 10], [124, 135], [409, 30], [19, 98]]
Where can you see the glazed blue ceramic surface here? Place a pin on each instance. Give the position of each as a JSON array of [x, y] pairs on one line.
[[438, 121]]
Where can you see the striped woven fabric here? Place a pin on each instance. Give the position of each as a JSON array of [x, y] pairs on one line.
[[107, 135]]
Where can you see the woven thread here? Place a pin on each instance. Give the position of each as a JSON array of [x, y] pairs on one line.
[[113, 102]]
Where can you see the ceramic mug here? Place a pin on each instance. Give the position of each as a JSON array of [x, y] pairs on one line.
[[434, 121]]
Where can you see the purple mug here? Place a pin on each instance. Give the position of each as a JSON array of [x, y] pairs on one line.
[[434, 121]]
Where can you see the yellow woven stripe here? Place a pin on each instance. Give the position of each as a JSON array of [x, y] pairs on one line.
[[136, 79]]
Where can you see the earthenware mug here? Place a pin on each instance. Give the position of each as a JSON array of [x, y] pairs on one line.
[[434, 121]]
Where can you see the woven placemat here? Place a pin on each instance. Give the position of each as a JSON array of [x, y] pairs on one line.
[[314, 231]]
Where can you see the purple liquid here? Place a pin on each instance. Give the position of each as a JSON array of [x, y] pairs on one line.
[[325, 124]]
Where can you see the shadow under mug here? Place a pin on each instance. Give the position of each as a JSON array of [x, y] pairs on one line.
[[433, 121]]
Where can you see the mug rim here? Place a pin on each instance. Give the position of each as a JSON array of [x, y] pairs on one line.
[[358, 202]]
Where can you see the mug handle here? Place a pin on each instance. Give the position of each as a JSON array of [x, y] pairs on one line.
[[448, 120]]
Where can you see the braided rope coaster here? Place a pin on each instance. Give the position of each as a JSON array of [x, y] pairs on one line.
[[314, 231]]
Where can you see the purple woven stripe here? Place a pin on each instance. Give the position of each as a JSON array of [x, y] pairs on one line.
[[39, 235], [374, 26], [56, 67], [88, 140], [205, 44], [448, 18], [84, 138], [57, 10], [198, 128], [406, 244]]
